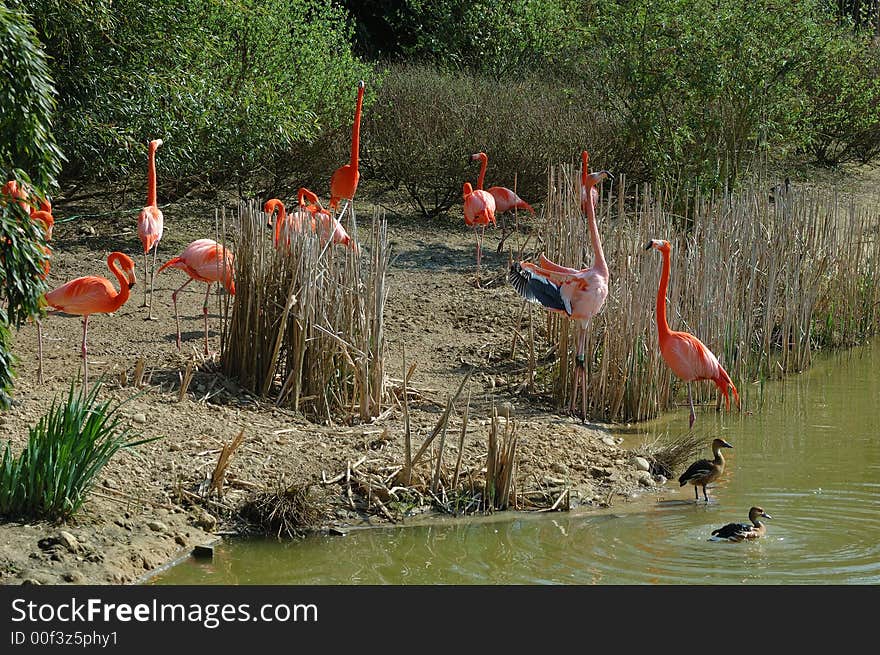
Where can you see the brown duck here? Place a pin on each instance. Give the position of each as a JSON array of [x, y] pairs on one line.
[[704, 471], [742, 531]]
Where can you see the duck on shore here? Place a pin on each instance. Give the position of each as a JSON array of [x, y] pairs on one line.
[[742, 531], [704, 471]]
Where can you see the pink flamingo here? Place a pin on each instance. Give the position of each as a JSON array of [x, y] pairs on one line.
[[344, 181], [479, 210], [150, 224], [207, 261], [687, 356], [94, 295], [578, 294], [505, 199], [308, 216]]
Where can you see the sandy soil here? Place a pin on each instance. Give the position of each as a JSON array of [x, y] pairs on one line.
[[146, 510]]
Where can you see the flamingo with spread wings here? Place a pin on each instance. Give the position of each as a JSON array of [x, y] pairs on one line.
[[94, 295], [578, 294], [687, 356]]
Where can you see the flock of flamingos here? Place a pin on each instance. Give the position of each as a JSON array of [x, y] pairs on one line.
[[578, 294]]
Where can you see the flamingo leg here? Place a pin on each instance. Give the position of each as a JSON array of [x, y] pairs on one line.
[[40, 350], [693, 416], [205, 312], [176, 313], [705, 497], [580, 376], [150, 316], [696, 493], [477, 238], [85, 354], [144, 304]]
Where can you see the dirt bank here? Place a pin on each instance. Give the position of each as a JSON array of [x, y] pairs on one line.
[[147, 506]]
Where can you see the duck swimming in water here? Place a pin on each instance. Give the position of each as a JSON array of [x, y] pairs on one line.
[[704, 471], [742, 531]]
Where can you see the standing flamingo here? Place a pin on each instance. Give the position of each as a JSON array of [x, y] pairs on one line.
[[204, 260], [479, 210], [505, 199], [687, 356], [150, 224], [579, 294], [94, 295], [344, 181]]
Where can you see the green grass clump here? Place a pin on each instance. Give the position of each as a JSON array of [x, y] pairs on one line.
[[65, 452]]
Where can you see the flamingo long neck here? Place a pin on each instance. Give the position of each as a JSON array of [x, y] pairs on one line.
[[115, 268], [484, 162], [282, 216], [151, 176], [662, 323], [598, 254], [356, 129], [584, 168]]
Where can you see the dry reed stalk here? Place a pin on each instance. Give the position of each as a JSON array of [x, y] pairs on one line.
[[185, 381], [137, 378], [763, 285], [464, 424], [407, 465], [306, 327], [223, 463]]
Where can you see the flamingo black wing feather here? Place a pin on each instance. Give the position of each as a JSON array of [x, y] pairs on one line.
[[536, 288]]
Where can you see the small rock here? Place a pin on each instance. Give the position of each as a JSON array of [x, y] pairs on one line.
[[74, 577], [559, 467], [206, 521], [157, 526], [337, 532], [30, 581], [642, 464], [70, 542], [660, 479], [180, 540], [609, 441], [645, 479], [2, 420], [598, 472], [139, 418]]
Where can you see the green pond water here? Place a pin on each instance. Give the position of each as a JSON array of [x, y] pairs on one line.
[[809, 454]]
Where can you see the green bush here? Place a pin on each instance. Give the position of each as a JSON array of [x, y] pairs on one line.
[[842, 92], [65, 453], [228, 84], [28, 154], [426, 123]]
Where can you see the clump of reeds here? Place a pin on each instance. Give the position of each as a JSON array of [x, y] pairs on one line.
[[307, 322], [286, 512], [669, 455], [65, 452], [500, 464], [762, 284]]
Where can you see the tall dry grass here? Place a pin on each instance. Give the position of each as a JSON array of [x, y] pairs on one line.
[[763, 284], [307, 324]]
